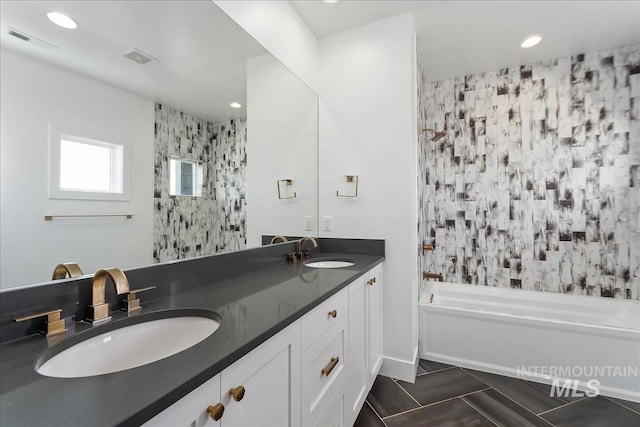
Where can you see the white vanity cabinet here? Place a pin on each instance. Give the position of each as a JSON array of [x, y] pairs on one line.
[[265, 382], [365, 340], [374, 322], [192, 410], [324, 360], [316, 372]]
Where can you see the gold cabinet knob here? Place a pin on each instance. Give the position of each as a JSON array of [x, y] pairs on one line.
[[216, 411], [333, 313], [370, 282], [237, 393]]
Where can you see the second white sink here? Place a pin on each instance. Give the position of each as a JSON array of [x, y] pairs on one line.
[[128, 347], [333, 263]]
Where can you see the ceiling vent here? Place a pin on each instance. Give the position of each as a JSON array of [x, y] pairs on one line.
[[139, 57], [30, 39]]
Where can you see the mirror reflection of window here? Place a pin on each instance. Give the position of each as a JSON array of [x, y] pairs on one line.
[[185, 177], [90, 166]]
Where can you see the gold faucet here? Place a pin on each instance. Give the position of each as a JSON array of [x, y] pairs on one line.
[[99, 306], [281, 238], [61, 270], [432, 276], [306, 253]]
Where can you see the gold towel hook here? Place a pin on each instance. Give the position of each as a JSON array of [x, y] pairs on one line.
[[287, 182], [349, 178]]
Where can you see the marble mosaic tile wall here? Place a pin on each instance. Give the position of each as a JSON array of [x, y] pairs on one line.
[[537, 183], [185, 227]]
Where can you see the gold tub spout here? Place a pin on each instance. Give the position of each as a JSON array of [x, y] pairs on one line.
[[99, 306], [276, 238], [432, 276], [70, 268]]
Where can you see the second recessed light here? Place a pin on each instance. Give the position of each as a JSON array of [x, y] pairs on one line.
[[62, 20], [235, 105], [531, 41]]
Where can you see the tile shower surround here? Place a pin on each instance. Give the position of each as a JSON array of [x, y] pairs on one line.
[[537, 184], [184, 226]]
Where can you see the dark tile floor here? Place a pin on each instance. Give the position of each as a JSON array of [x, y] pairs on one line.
[[445, 395]]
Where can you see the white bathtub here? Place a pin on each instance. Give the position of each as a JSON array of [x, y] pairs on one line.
[[537, 336]]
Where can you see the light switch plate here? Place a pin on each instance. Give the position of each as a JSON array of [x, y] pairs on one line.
[[327, 223], [308, 223]]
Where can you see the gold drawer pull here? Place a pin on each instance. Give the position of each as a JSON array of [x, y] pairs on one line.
[[373, 281], [327, 369], [216, 411], [333, 313], [237, 393]]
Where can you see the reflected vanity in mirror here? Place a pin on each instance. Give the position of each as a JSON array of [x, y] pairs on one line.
[[130, 72]]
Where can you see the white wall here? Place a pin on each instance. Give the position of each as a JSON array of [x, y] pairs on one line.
[[368, 128], [277, 27], [35, 93], [282, 132]]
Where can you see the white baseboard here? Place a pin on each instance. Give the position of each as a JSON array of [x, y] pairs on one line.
[[404, 370]]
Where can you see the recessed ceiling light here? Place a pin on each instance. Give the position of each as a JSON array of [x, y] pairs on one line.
[[62, 20], [235, 105], [330, 1], [531, 41]]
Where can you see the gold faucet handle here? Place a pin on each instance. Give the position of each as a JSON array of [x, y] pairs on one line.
[[132, 303], [55, 324]]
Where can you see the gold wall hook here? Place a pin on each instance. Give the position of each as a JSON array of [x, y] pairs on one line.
[[287, 182], [426, 247], [432, 276], [70, 268], [349, 178]]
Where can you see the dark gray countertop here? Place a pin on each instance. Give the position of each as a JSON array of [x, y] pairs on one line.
[[253, 307]]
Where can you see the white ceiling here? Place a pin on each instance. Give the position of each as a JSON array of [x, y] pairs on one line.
[[457, 38], [201, 66]]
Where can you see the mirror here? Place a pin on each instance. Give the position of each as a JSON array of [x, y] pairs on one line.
[[159, 78], [185, 177]]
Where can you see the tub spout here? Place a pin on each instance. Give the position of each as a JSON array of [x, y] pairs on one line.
[[432, 276]]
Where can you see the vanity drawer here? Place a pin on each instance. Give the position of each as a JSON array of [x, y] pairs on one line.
[[324, 371], [320, 319]]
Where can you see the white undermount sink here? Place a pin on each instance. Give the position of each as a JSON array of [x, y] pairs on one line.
[[130, 346], [329, 263]]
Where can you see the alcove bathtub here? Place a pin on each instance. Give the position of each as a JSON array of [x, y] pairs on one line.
[[533, 335]]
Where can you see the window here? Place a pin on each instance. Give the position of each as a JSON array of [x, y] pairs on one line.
[[87, 168]]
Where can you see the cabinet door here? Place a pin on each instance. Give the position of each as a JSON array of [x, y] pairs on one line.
[[357, 384], [191, 410], [374, 316], [270, 378]]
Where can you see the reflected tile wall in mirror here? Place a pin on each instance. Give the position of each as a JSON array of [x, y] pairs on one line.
[[185, 227]]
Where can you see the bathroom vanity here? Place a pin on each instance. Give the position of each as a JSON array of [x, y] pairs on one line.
[[289, 337]]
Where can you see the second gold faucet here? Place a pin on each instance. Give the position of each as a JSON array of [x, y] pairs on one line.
[[99, 306]]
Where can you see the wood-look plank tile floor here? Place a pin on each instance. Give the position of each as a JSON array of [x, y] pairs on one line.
[[446, 395]]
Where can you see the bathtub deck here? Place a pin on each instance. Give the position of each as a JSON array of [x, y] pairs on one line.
[[449, 395]]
